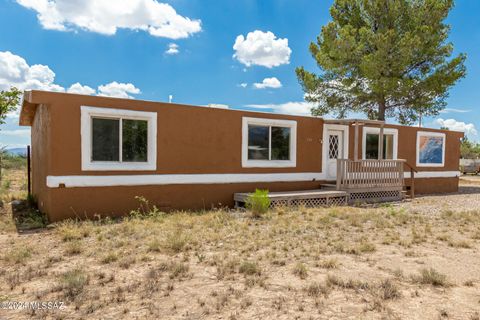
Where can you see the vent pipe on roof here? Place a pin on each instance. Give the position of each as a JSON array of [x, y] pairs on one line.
[[170, 98]]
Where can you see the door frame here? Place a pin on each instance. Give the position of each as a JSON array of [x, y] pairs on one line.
[[326, 129]]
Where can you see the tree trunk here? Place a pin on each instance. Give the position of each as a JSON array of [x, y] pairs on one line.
[[381, 110]]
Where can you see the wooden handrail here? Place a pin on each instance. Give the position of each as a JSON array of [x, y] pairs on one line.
[[412, 179], [368, 174]]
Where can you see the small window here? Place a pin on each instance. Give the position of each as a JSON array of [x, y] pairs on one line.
[[371, 146], [114, 139], [268, 143], [430, 149], [106, 140], [371, 138]]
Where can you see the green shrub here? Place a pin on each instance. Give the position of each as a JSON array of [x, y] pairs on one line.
[[258, 202]]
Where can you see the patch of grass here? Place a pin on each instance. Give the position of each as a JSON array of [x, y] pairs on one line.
[[329, 264], [109, 258], [18, 255], [73, 283], [460, 244], [336, 281], [74, 247], [389, 290], [300, 270], [316, 289], [69, 231], [432, 277], [176, 241], [178, 270], [154, 245], [250, 268]]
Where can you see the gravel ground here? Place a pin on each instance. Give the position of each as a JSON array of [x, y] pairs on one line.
[[467, 199]]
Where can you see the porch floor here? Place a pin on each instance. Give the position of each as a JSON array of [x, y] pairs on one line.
[[308, 198]]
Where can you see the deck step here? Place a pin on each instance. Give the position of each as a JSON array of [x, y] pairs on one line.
[[308, 198]]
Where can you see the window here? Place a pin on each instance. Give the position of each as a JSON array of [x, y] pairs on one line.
[[268, 143], [115, 139], [371, 138], [430, 149]]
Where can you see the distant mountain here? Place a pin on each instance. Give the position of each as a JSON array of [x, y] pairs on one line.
[[17, 151]]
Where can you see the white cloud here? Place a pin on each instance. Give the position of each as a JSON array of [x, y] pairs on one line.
[[16, 133], [262, 48], [272, 83], [452, 124], [454, 110], [243, 85], [118, 90], [79, 89], [15, 71], [296, 108], [172, 49], [106, 16]]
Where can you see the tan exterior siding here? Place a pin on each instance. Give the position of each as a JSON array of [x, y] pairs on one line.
[[190, 140]]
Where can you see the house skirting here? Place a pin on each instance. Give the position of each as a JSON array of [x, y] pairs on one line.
[[86, 202]]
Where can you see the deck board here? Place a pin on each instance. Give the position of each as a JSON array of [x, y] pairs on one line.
[[290, 195]]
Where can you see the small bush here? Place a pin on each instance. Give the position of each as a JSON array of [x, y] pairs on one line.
[[73, 282], [389, 290], [258, 203], [74, 247], [329, 264], [176, 241], [249, 268], [315, 289], [18, 255], [109, 258], [300, 270], [431, 276]]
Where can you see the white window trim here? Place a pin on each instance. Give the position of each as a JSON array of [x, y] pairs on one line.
[[430, 134], [375, 130], [246, 163], [86, 139]]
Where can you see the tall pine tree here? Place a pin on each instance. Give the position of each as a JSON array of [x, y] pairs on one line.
[[383, 58]]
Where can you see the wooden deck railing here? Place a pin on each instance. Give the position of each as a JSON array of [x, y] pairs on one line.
[[366, 175]]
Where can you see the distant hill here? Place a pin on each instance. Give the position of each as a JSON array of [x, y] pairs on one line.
[[17, 151]]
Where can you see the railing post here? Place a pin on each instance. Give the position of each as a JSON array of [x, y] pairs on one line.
[[412, 185], [339, 173]]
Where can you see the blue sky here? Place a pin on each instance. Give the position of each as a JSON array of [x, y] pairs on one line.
[[185, 48]]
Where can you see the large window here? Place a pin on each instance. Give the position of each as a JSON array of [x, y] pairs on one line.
[[371, 138], [268, 143], [430, 149], [114, 139]]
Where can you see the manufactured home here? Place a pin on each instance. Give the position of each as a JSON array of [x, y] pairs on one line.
[[95, 155]]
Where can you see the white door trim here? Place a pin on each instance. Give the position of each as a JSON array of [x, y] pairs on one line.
[[337, 127]]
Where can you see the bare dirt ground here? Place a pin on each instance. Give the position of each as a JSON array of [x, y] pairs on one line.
[[413, 260]]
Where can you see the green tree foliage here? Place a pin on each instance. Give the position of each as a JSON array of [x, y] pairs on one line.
[[469, 149], [9, 101], [383, 58]]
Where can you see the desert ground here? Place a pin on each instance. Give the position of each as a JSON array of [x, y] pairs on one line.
[[418, 259]]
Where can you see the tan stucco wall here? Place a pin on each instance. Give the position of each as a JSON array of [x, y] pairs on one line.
[[41, 156], [190, 140]]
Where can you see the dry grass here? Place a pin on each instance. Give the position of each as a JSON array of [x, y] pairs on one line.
[[372, 263]]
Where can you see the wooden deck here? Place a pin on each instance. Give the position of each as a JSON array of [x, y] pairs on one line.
[[357, 181], [307, 198]]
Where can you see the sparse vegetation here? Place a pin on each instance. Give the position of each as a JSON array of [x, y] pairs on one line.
[[432, 277], [292, 263]]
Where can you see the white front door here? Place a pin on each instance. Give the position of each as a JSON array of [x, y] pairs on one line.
[[334, 150]]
